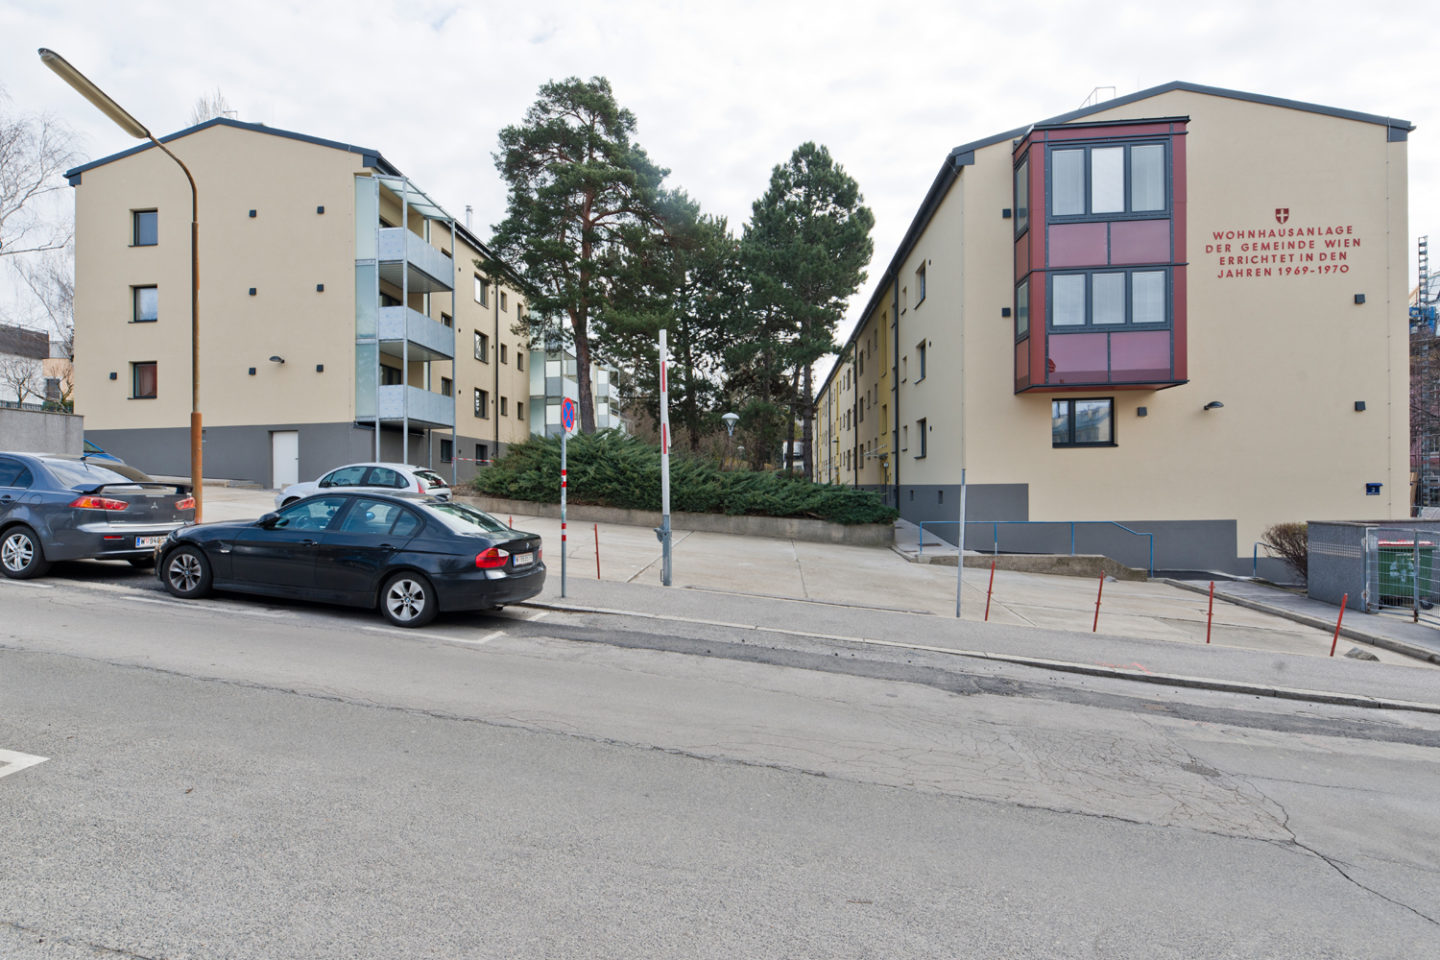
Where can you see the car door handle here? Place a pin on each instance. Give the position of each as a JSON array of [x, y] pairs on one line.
[[308, 543], [387, 546]]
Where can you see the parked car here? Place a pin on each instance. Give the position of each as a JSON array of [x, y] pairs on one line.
[[94, 451], [412, 558], [393, 478], [55, 507]]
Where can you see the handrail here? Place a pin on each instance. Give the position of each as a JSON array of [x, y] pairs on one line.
[[995, 541]]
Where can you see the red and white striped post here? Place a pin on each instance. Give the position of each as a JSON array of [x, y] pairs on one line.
[[664, 532], [1339, 620]]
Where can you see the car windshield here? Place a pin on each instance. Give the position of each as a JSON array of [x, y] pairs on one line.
[[463, 519], [432, 478], [89, 473]]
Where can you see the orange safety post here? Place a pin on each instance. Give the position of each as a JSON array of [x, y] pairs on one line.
[[990, 590], [1096, 625], [1339, 620], [597, 551], [1210, 614]]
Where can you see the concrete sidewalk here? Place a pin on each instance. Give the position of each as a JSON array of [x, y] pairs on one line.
[[837, 583]]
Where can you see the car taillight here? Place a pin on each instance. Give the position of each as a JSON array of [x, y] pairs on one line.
[[492, 558], [539, 554], [98, 503], [187, 504]]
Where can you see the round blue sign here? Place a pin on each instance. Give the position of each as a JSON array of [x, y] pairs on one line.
[[567, 415]]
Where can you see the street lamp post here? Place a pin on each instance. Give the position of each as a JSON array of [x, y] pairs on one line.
[[135, 128]]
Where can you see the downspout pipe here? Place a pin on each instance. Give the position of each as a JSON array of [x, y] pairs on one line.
[[895, 389]]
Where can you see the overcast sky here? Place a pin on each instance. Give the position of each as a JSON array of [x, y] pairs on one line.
[[722, 91]]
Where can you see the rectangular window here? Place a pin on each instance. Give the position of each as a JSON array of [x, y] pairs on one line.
[[520, 359], [390, 376], [1022, 196], [519, 410], [503, 351], [482, 453], [143, 380], [145, 228], [503, 301], [920, 361], [504, 406], [447, 320], [482, 347], [1109, 298], [919, 285], [1108, 180], [447, 387], [1022, 310], [480, 291], [482, 404], [146, 304], [447, 451], [1082, 423], [921, 432], [904, 437]]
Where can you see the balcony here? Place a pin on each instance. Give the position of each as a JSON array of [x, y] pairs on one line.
[[428, 339], [422, 407], [429, 270]]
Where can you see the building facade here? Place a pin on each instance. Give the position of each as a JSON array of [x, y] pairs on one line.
[[1172, 319], [344, 315]]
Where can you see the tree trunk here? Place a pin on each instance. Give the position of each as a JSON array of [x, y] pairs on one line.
[[582, 372], [808, 428]]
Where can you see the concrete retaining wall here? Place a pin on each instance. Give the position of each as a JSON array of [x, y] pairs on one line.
[[785, 528], [39, 431]]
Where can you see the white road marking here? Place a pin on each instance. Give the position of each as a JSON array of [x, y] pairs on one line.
[[13, 762], [26, 583]]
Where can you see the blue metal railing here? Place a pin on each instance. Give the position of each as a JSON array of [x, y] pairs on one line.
[[996, 524]]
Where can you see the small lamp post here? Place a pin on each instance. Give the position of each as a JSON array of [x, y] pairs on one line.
[[730, 420], [136, 129]]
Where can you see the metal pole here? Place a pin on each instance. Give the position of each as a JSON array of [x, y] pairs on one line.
[[564, 482], [664, 532], [960, 547]]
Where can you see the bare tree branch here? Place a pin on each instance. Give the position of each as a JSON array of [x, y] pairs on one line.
[[35, 151]]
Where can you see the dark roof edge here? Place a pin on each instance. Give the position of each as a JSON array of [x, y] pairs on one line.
[[368, 157], [967, 152]]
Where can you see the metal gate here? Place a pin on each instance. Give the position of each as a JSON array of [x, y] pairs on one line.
[[1401, 570]]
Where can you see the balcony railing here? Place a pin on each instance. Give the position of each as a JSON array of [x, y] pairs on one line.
[[430, 270], [422, 407], [429, 339]]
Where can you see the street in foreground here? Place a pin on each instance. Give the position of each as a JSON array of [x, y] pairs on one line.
[[233, 779]]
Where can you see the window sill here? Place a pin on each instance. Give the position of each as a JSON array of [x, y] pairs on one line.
[[151, 397], [1082, 446]]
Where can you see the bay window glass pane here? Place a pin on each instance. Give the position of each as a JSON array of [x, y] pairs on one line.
[[1107, 180], [1022, 309], [1107, 298], [1147, 294], [1067, 182], [1092, 421], [1022, 196], [1147, 177], [1068, 293], [1060, 422]]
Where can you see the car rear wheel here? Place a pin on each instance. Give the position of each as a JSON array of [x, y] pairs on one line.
[[408, 600], [187, 573], [21, 556]]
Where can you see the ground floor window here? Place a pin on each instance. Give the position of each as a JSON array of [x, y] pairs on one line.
[[447, 451], [1082, 423]]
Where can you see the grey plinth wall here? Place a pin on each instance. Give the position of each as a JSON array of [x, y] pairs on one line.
[[1344, 562]]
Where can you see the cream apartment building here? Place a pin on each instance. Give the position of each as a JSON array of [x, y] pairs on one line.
[[342, 314], [1181, 313]]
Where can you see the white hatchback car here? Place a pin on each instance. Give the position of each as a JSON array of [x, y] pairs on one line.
[[396, 479]]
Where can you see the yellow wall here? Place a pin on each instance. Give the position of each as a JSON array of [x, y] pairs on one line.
[[284, 251]]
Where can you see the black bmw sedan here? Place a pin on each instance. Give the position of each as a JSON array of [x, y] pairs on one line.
[[55, 507], [411, 558]]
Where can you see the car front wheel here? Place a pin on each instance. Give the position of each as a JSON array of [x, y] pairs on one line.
[[408, 600], [21, 556], [187, 573]]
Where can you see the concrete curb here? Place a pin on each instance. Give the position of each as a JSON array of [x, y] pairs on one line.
[[1349, 633], [1065, 666]]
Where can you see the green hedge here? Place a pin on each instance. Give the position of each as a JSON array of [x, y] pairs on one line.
[[612, 469]]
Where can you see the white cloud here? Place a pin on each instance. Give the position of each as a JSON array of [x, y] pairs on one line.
[[723, 91]]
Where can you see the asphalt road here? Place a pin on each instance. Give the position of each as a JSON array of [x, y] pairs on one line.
[[237, 778]]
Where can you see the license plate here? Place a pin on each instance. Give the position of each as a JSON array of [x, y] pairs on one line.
[[148, 541], [524, 559]]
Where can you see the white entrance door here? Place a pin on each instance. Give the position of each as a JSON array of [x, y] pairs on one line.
[[285, 457]]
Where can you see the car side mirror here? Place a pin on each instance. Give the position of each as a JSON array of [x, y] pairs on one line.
[[268, 520]]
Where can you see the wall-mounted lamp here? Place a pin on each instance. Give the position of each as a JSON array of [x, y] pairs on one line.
[[277, 359], [1212, 405]]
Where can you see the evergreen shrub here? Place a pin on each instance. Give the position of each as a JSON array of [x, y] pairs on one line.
[[612, 469]]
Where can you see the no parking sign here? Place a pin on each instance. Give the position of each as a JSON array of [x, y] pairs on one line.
[[567, 415]]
